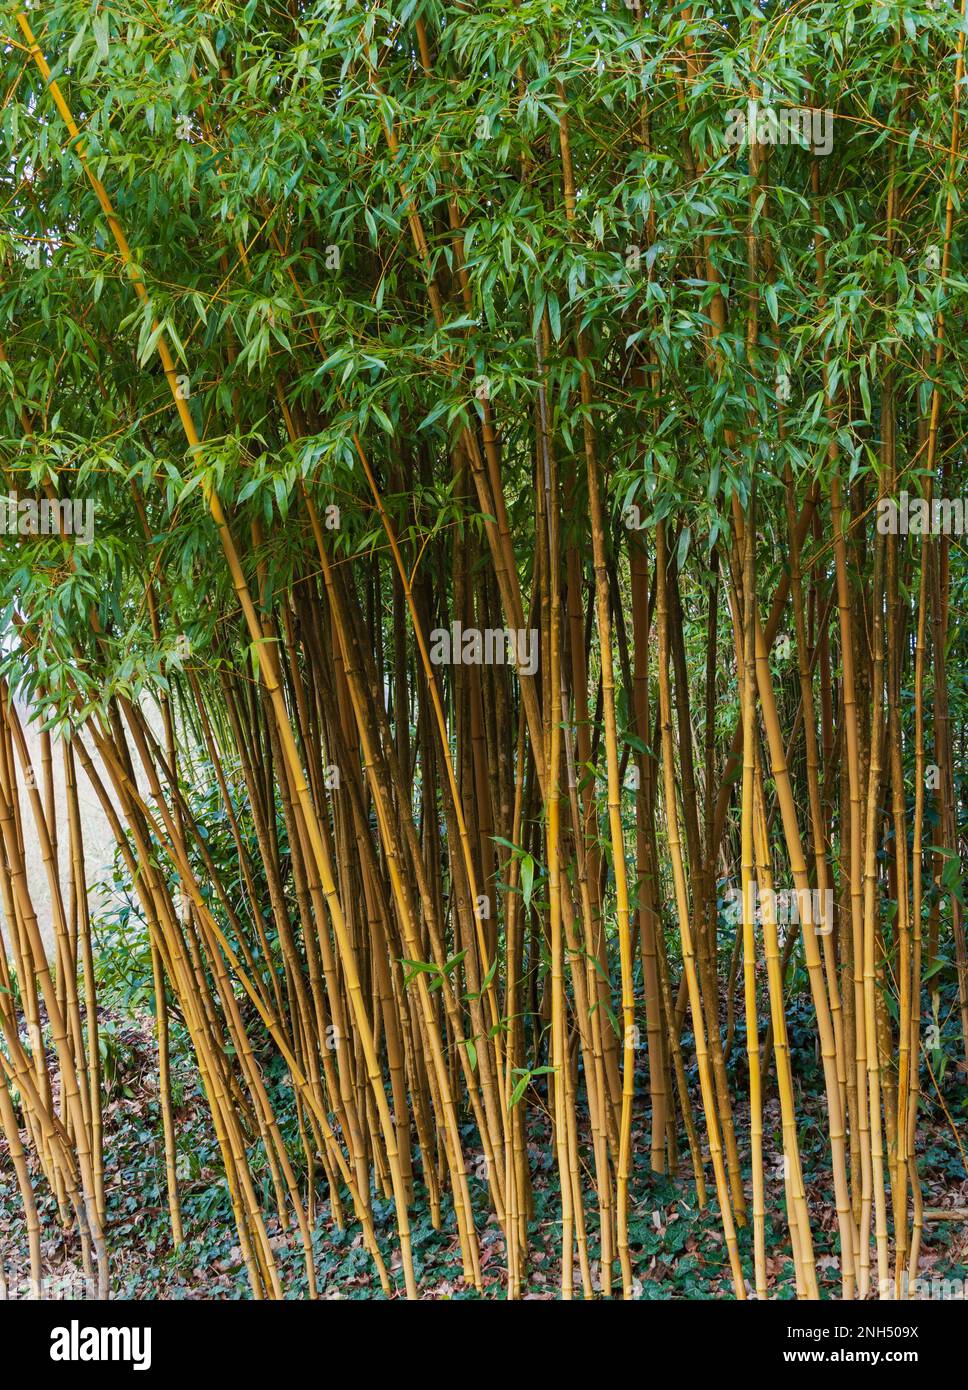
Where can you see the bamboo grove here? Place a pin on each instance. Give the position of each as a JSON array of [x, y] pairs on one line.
[[373, 330]]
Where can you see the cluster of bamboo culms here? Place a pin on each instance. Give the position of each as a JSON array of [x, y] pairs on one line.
[[475, 906]]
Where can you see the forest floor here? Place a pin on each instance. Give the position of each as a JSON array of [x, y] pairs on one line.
[[677, 1249]]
